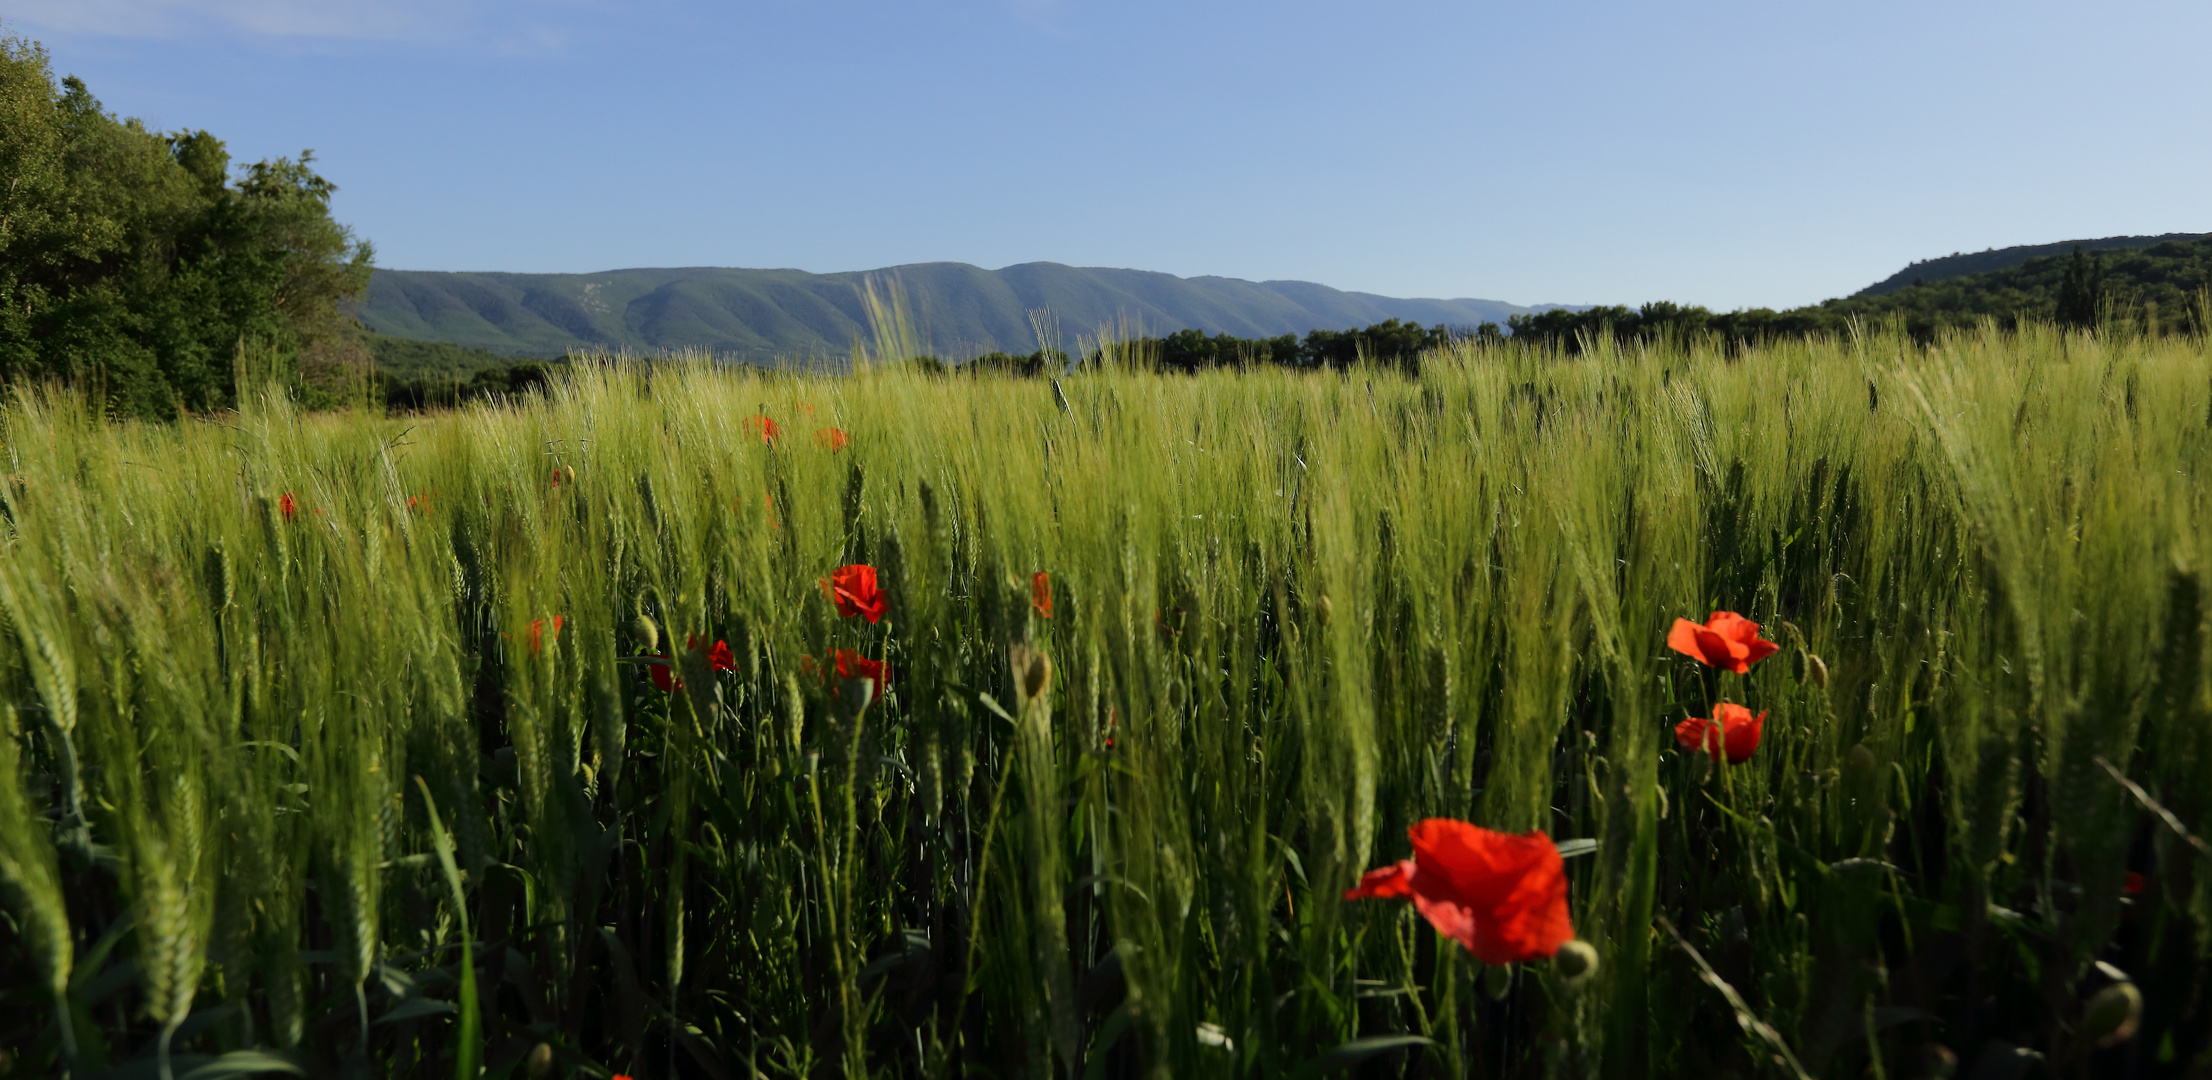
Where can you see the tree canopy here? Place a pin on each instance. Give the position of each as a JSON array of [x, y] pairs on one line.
[[140, 265]]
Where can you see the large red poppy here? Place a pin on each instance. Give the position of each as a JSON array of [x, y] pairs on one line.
[[1727, 640], [853, 590], [1733, 734], [1502, 895], [766, 427], [1040, 595]]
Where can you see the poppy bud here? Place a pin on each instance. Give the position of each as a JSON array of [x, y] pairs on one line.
[[1816, 672], [1937, 1062], [648, 635], [1575, 960], [1322, 610], [1497, 981], [1035, 671], [2112, 1014], [540, 1061]]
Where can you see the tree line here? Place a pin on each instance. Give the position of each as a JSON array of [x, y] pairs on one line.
[[2166, 287], [143, 267]]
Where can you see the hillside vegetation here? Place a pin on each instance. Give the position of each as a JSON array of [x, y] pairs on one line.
[[568, 736], [2166, 286], [1961, 264]]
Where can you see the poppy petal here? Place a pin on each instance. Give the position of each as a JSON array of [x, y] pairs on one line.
[[1384, 882], [1683, 639]]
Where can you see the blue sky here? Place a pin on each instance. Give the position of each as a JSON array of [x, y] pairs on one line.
[[1724, 153]]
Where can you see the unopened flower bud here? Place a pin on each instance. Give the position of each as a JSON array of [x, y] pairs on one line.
[[1497, 981], [2113, 1014], [648, 635], [540, 1061], [1575, 960]]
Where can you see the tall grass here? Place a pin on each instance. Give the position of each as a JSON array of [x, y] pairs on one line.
[[1292, 614]]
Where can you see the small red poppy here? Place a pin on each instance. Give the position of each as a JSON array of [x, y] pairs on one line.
[[853, 590], [1502, 896], [287, 506], [852, 665], [766, 427], [1727, 640], [556, 477], [1040, 595], [834, 439], [1734, 733], [663, 670], [719, 656], [418, 502], [537, 633], [2133, 884]]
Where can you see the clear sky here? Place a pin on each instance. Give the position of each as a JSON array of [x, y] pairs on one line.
[[1581, 151]]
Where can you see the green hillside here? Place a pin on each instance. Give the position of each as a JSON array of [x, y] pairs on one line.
[[2162, 287], [766, 315], [1957, 264]]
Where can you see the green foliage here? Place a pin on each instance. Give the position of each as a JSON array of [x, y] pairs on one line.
[[2152, 289], [1292, 613], [132, 263], [1962, 264]]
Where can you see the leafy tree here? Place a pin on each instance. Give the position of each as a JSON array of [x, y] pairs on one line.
[[132, 263], [2081, 294]]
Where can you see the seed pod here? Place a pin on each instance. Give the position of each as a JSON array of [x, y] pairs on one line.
[[1497, 981], [1575, 960], [540, 1061], [1816, 671], [648, 635], [2112, 1014]]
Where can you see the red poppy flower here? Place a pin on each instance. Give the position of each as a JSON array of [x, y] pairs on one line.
[[852, 665], [287, 506], [719, 657], [556, 477], [1502, 896], [663, 670], [767, 428], [537, 633], [1040, 595], [1734, 733], [853, 590], [1727, 640], [418, 502], [2132, 884], [833, 438]]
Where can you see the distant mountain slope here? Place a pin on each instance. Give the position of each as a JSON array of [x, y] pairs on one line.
[[1956, 265], [761, 315]]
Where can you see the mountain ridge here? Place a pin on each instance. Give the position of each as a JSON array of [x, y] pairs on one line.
[[961, 310]]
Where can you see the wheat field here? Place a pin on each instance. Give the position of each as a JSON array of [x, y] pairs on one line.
[[339, 744]]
